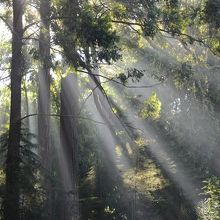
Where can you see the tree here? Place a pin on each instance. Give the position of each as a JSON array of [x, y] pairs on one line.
[[44, 141], [11, 199]]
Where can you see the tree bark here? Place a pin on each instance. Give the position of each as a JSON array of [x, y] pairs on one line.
[[44, 102], [69, 144], [11, 200]]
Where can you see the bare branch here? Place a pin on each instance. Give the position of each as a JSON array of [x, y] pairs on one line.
[[126, 86], [7, 24], [59, 115]]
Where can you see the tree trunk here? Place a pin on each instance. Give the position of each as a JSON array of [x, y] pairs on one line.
[[69, 144], [11, 200], [44, 102]]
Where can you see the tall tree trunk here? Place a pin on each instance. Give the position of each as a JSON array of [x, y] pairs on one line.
[[11, 200], [69, 144], [44, 102]]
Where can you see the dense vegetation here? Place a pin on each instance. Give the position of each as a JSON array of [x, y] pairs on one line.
[[109, 109]]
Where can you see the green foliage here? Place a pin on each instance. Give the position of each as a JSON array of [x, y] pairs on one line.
[[132, 73], [29, 181], [173, 18], [210, 208], [151, 108], [150, 22], [90, 33], [34, 53], [119, 11], [183, 76]]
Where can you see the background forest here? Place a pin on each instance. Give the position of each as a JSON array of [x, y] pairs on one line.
[[109, 109]]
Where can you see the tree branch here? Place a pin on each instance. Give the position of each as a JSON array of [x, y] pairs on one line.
[[59, 115], [126, 86], [7, 24]]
